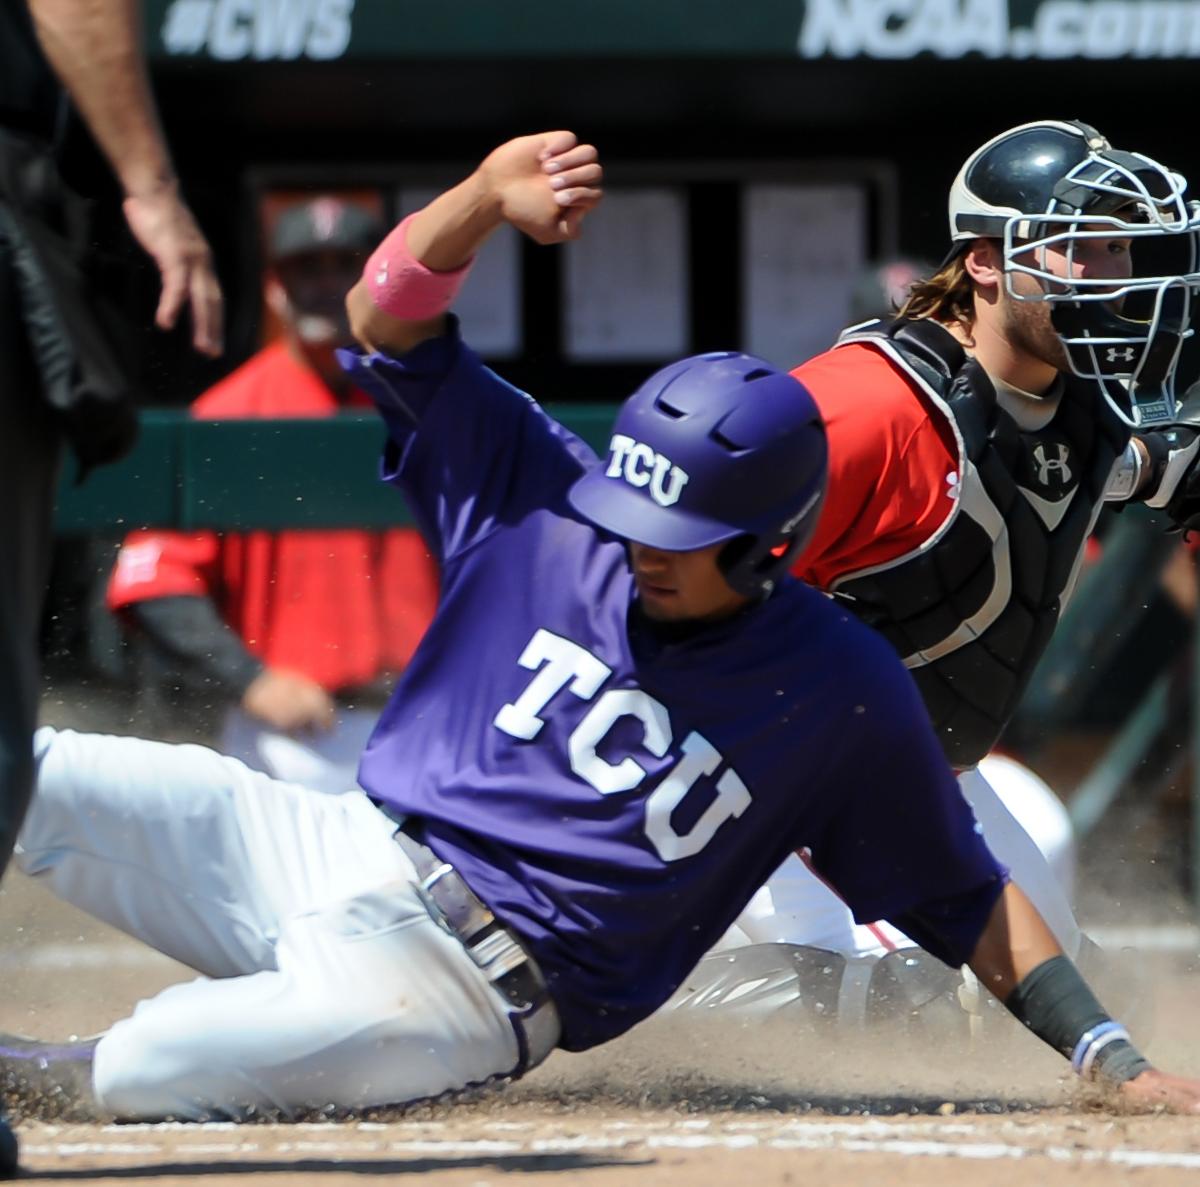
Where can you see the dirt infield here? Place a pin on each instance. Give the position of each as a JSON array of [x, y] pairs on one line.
[[668, 1104], [701, 1106]]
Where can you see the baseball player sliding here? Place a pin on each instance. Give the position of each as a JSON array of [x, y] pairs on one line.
[[623, 717]]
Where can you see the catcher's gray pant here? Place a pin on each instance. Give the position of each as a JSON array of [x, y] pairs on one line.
[[796, 907], [338, 987], [29, 455]]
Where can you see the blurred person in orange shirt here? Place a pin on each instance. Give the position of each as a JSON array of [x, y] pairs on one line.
[[299, 632]]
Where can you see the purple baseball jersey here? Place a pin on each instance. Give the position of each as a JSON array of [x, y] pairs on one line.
[[613, 792]]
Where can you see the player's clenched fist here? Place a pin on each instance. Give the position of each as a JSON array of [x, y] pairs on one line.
[[545, 184]]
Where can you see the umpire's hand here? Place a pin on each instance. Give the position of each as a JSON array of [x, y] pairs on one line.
[[289, 702], [164, 226]]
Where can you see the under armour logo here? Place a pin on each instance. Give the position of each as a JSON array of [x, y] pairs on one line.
[[1052, 465], [1125, 354]]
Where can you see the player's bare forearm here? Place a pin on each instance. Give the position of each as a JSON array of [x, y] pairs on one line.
[[1013, 943], [456, 224], [444, 236], [543, 185], [95, 49]]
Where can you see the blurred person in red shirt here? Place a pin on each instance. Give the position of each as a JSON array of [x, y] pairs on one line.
[[299, 632]]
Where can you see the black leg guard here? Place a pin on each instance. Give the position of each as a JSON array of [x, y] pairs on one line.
[[915, 991], [904, 991], [765, 980]]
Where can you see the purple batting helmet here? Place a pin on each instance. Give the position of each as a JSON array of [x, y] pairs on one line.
[[713, 448]]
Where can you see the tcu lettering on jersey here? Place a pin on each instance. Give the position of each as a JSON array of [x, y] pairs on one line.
[[640, 465], [560, 663]]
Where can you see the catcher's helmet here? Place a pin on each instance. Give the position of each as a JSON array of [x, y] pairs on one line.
[[1055, 184], [712, 448]]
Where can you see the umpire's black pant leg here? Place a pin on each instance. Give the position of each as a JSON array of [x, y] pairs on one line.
[[30, 447]]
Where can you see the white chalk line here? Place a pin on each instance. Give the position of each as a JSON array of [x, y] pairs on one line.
[[876, 1126], [899, 1139]]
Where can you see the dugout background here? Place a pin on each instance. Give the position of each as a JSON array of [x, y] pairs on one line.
[[903, 127]]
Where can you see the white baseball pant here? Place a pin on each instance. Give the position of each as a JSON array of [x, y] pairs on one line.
[[336, 987]]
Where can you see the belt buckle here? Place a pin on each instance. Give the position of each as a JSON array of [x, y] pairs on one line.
[[453, 904], [424, 889]]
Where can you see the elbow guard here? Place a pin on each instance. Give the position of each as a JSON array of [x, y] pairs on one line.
[[1174, 483], [1174, 479]]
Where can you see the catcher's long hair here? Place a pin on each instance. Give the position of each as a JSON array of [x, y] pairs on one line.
[[946, 296]]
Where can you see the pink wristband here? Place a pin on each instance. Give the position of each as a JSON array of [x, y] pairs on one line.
[[402, 286]]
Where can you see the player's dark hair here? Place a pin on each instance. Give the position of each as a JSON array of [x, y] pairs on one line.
[[946, 296]]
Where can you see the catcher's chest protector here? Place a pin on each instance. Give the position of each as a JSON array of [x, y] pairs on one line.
[[972, 609]]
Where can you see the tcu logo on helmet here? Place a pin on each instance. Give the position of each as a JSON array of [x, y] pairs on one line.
[[1124, 354], [639, 465], [1052, 465]]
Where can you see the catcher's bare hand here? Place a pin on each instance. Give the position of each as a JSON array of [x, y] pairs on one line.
[[288, 702], [545, 184], [165, 228], [1157, 1090]]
